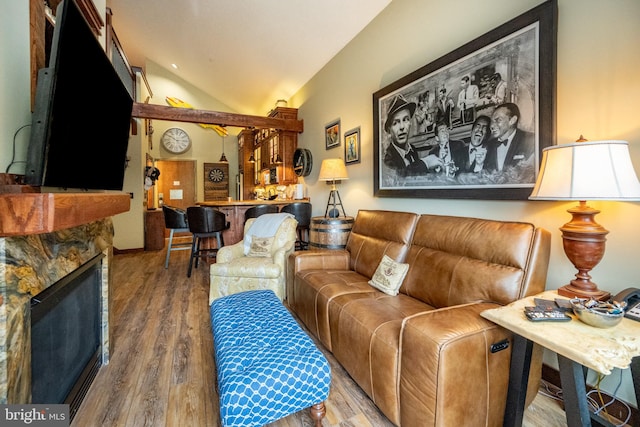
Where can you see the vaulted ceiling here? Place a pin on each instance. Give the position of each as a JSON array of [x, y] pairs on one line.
[[245, 53]]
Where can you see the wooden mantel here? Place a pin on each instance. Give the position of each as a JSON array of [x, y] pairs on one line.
[[161, 112], [35, 213]]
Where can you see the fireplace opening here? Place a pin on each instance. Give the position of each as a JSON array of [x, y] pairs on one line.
[[66, 337]]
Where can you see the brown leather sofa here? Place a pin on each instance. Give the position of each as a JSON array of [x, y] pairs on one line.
[[423, 356]]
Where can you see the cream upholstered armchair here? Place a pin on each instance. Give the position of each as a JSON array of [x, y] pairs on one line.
[[258, 261]]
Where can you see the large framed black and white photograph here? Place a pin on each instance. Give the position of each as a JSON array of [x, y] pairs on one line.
[[473, 123]]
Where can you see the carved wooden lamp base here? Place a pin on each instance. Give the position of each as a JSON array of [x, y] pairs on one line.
[[583, 240]]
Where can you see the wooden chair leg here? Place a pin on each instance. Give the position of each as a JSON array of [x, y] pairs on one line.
[[317, 413]]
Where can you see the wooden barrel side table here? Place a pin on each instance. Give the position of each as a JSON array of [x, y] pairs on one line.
[[330, 233]]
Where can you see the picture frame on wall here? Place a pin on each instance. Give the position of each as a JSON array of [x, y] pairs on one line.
[[473, 123], [352, 146], [216, 181], [332, 134]]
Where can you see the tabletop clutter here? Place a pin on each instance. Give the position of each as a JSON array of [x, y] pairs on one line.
[[601, 314]]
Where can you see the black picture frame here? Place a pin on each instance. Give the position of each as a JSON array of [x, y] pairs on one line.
[[352, 146], [332, 134], [523, 52]]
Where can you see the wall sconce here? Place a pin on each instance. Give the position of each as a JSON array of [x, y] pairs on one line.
[[333, 170], [597, 170]]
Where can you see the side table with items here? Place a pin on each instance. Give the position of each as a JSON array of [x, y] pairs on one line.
[[578, 347]]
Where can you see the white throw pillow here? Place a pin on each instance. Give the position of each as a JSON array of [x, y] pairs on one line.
[[389, 276], [260, 246], [265, 225]]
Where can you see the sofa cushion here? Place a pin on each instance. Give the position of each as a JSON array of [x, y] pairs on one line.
[[389, 276], [378, 233], [456, 260], [316, 288], [365, 335]]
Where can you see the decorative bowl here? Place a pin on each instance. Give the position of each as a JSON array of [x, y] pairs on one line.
[[598, 314]]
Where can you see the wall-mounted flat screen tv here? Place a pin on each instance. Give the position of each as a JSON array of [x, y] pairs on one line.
[[82, 114]]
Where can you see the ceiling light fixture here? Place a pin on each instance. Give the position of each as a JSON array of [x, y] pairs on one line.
[[223, 158]]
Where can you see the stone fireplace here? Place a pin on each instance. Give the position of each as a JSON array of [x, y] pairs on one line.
[[43, 238]]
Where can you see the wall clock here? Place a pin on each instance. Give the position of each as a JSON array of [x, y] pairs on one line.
[[302, 162], [175, 140]]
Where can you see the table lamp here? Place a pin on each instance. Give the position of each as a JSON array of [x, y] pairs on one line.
[[585, 170], [333, 170]]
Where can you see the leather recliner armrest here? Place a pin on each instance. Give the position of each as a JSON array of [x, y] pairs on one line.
[[314, 260], [319, 260], [448, 350]]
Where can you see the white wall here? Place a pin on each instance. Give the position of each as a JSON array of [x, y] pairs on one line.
[[129, 226], [15, 83], [597, 92]]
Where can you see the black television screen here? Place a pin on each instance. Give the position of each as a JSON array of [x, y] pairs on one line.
[[82, 114]]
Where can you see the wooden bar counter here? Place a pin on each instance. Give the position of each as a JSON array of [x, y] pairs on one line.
[[235, 209]]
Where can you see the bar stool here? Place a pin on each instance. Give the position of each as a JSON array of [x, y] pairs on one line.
[[205, 222], [258, 210], [175, 219], [302, 212]]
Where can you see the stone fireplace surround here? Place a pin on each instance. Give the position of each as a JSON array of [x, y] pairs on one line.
[[44, 237]]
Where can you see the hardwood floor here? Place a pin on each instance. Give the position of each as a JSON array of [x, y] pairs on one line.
[[162, 372]]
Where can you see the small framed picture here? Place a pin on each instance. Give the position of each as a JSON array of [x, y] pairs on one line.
[[352, 146], [332, 134]]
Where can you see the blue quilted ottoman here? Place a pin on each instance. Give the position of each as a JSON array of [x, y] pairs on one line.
[[267, 366]]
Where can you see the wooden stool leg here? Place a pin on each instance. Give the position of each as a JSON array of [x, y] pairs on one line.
[[166, 261], [193, 253], [317, 413]]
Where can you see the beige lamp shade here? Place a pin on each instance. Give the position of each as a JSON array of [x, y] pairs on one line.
[[333, 170], [593, 170]]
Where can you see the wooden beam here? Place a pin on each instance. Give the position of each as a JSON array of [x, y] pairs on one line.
[[174, 114]]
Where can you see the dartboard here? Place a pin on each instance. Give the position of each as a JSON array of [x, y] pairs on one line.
[[216, 175]]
